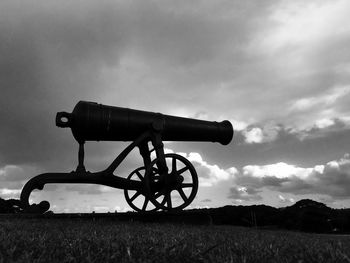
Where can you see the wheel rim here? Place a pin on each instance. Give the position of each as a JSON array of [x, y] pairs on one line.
[[176, 189], [137, 200]]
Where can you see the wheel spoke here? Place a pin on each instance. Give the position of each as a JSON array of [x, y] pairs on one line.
[[145, 204], [135, 196], [164, 201], [186, 185], [139, 175], [173, 167], [182, 194], [158, 194], [168, 196], [183, 170]]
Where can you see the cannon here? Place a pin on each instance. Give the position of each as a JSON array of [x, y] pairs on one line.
[[164, 182]]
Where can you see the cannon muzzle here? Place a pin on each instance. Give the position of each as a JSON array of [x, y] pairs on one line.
[[91, 121]]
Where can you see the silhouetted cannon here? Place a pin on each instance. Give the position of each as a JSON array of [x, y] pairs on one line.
[[167, 182], [90, 121]]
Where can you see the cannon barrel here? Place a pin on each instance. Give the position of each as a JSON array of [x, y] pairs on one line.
[[91, 121]]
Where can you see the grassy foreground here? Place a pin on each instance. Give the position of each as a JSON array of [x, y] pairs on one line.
[[77, 240]]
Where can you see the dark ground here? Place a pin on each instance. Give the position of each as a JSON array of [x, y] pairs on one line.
[[107, 239]]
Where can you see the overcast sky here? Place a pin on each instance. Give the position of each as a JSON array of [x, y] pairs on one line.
[[278, 70]]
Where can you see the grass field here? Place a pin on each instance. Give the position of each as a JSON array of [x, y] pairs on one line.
[[100, 240]]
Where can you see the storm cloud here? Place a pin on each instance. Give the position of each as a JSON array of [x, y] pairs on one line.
[[55, 54]]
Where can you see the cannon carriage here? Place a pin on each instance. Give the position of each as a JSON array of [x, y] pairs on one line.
[[159, 178]]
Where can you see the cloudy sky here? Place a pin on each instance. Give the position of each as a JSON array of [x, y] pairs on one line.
[[278, 70]]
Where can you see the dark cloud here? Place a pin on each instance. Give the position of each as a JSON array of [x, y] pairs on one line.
[[12, 177], [56, 54], [193, 35], [298, 186], [53, 55], [50, 59], [273, 181], [12, 173]]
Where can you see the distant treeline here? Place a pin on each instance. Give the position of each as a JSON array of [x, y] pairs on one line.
[[305, 215], [11, 206]]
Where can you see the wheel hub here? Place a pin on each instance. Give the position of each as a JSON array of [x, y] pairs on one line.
[[160, 190], [172, 181]]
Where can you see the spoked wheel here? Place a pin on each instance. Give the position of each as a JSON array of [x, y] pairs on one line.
[[175, 189], [138, 200]]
